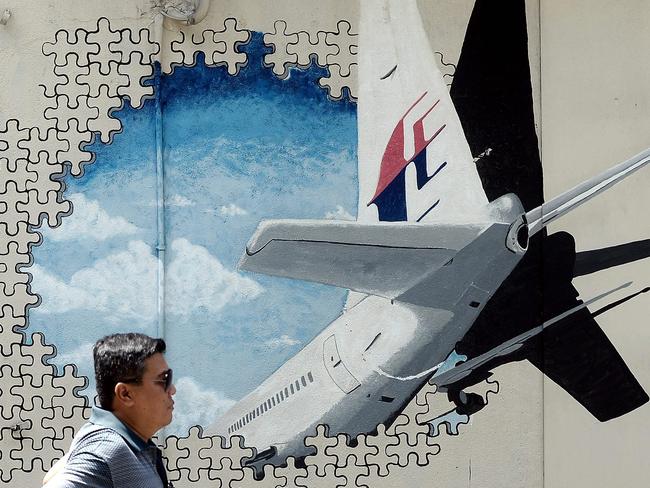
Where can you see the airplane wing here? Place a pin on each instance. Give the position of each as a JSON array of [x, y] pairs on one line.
[[595, 260], [595, 374], [383, 259], [457, 373], [540, 217]]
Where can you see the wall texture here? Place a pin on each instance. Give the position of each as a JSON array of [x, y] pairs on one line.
[[137, 156]]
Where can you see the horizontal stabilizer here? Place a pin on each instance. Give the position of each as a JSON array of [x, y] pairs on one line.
[[383, 259], [540, 217]]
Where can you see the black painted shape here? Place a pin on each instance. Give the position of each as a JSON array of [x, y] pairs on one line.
[[588, 262], [615, 304], [575, 353], [492, 94], [579, 357], [493, 97]]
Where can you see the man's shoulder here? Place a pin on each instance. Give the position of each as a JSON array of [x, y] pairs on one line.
[[99, 440]]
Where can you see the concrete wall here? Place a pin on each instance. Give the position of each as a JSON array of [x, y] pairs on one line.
[[591, 101]]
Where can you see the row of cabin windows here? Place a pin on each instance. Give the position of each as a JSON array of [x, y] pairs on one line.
[[272, 402]]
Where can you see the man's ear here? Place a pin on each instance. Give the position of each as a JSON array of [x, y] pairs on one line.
[[123, 394]]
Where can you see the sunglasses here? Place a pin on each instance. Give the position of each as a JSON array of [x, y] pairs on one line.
[[166, 379]]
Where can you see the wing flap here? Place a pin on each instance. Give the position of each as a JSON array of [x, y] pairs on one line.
[[382, 259]]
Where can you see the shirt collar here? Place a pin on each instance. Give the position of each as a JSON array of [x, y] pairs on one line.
[[105, 418]]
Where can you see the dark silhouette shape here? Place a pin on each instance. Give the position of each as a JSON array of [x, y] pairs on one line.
[[493, 96], [588, 262], [615, 304]]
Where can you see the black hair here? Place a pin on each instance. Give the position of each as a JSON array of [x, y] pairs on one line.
[[120, 358]]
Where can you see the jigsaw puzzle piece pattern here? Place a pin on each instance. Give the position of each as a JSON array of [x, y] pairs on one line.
[[34, 401], [220, 47], [430, 410], [280, 59], [35, 410], [447, 70], [206, 460], [292, 473], [11, 443], [351, 459], [335, 50], [96, 70], [30, 189], [33, 430], [321, 458], [189, 466], [271, 479], [10, 335], [40, 410], [32, 427]]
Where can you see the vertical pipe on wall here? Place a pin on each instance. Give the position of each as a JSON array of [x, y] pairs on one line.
[[160, 182], [540, 146], [160, 185]]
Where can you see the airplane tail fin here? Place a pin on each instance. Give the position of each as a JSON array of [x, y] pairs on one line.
[[540, 217]]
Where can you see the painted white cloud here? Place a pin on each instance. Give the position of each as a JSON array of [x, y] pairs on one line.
[[124, 285], [57, 295], [179, 201], [231, 210], [339, 214], [90, 221], [282, 341], [194, 405], [175, 200], [197, 279], [82, 357], [120, 286]]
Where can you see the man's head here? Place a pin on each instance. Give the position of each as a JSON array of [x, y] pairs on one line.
[[133, 380]]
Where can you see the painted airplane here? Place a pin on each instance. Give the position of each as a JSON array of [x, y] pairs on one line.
[[429, 253]]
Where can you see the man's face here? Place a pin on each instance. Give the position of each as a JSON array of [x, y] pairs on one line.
[[154, 405]]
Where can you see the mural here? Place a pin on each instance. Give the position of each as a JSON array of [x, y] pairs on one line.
[[210, 309], [225, 187]]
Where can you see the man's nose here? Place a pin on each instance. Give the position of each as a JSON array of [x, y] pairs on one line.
[[172, 390]]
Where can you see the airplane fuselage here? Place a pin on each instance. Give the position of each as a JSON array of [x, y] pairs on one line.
[[366, 365]]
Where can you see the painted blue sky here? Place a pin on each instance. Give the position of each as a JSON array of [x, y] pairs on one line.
[[237, 150]]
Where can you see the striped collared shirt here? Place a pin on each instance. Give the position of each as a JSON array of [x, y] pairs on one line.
[[107, 454]]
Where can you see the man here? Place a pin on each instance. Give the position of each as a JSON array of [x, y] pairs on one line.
[[114, 449]]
